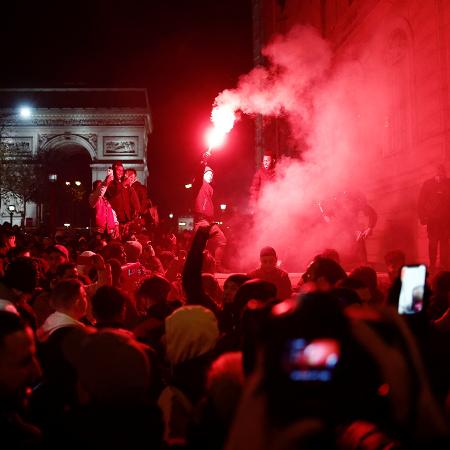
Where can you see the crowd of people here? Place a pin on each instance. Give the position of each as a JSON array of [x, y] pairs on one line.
[[120, 339]]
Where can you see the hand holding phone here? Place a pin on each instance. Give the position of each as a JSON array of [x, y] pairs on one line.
[[413, 278]]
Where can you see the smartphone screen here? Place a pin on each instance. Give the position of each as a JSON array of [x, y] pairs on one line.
[[413, 288], [311, 360]]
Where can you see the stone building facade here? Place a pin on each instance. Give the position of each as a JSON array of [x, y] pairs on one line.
[[410, 42]]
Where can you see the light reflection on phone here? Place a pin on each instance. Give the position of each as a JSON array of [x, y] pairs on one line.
[[311, 360], [413, 288]]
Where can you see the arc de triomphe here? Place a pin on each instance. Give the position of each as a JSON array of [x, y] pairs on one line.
[[118, 131]]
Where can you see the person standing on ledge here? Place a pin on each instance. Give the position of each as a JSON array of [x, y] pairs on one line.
[[204, 210], [434, 212], [263, 176]]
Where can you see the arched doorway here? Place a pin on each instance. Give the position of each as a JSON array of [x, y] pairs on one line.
[[70, 179]]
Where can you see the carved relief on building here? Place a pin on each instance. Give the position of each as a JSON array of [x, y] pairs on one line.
[[90, 138], [17, 147], [120, 145], [73, 120]]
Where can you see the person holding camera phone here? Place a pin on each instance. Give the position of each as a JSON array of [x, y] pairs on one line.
[[104, 217], [123, 197], [204, 210]]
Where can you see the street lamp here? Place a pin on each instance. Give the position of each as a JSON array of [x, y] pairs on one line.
[[25, 112], [11, 209], [78, 183]]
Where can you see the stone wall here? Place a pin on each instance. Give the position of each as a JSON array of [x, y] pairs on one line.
[[406, 42]]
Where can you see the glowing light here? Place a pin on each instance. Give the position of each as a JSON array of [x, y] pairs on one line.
[[223, 206], [25, 112], [214, 138], [170, 216], [188, 186], [67, 183], [78, 183], [223, 118], [67, 225]]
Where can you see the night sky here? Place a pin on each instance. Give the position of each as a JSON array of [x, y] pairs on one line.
[[184, 52]]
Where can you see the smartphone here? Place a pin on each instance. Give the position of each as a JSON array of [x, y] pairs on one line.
[[313, 360], [413, 278]]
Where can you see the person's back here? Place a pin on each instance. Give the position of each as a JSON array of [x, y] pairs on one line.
[[19, 371], [116, 410]]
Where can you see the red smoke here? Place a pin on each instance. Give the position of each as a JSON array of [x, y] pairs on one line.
[[334, 106]]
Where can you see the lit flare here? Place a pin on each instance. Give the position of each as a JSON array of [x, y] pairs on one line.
[[223, 118]]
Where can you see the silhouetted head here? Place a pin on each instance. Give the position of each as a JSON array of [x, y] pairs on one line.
[[268, 258]]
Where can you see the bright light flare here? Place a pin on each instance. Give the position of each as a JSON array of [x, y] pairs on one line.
[[223, 118], [214, 138], [25, 112]]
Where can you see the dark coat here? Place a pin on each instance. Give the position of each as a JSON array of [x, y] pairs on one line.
[[123, 200], [434, 202]]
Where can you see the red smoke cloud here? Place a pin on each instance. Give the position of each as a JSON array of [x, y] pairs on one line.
[[337, 108]]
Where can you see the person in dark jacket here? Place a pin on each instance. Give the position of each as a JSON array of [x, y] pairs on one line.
[[19, 372], [434, 212], [148, 211], [268, 271], [122, 196], [204, 211], [263, 176]]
